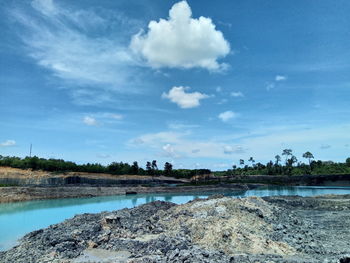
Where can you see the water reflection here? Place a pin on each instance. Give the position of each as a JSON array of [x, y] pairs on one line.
[[16, 219]]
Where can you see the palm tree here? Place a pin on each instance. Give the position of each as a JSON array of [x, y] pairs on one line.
[[149, 168], [168, 167], [278, 159], [308, 155], [241, 162], [154, 167], [287, 153], [251, 159]]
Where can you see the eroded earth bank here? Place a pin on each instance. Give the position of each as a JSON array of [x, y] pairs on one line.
[[217, 229]]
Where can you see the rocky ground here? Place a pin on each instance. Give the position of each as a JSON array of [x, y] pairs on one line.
[[26, 193], [217, 229]]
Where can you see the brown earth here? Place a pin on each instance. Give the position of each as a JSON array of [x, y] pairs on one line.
[[9, 172]]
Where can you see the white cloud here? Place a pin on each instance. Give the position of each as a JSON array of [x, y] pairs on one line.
[[236, 94], [222, 101], [103, 155], [90, 121], [227, 115], [270, 86], [184, 100], [169, 151], [280, 78], [156, 138], [263, 144], [176, 125], [228, 149], [8, 143], [218, 89], [181, 41], [116, 116], [181, 145], [64, 41], [104, 118]]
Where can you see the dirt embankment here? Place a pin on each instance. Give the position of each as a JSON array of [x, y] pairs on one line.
[[19, 177], [17, 194], [39, 185], [217, 229]]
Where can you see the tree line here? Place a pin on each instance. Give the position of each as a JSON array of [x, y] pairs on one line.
[[288, 164], [284, 164], [116, 168]]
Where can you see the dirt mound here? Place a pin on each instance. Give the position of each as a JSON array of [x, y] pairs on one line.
[[217, 229]]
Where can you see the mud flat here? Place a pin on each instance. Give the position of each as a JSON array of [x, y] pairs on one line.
[[217, 229], [21, 193]]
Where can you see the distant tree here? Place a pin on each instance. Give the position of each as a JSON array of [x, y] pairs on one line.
[[347, 162], [154, 167], [270, 168], [234, 167], [149, 168], [168, 168], [308, 155], [251, 159], [287, 153], [292, 160], [278, 159], [135, 168], [241, 162]]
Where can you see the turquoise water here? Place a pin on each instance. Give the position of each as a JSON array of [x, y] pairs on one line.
[[17, 219]]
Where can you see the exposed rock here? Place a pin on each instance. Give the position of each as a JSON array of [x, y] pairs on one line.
[[217, 229]]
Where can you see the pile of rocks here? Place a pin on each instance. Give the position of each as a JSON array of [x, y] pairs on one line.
[[217, 229]]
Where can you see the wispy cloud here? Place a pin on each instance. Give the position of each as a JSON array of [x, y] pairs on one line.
[[8, 143], [90, 121], [65, 41], [218, 89], [236, 94], [227, 115], [183, 145], [325, 146], [270, 86], [176, 125], [101, 118], [228, 149], [280, 78], [169, 151], [273, 84]]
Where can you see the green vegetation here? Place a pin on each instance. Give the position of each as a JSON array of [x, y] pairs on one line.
[[7, 185], [289, 166], [116, 168]]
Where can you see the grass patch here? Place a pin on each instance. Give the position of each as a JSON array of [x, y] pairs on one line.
[[7, 185]]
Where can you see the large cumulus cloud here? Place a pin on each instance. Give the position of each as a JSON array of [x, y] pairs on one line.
[[181, 41]]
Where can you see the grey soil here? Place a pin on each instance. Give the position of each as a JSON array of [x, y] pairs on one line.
[[27, 193], [217, 229]]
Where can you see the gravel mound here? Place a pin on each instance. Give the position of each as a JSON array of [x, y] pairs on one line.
[[217, 229]]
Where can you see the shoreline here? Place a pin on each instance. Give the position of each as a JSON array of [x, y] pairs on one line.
[[285, 229], [12, 194]]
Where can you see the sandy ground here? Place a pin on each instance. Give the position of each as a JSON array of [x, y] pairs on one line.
[[9, 172]]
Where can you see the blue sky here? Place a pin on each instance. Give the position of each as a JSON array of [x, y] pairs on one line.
[[194, 83]]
